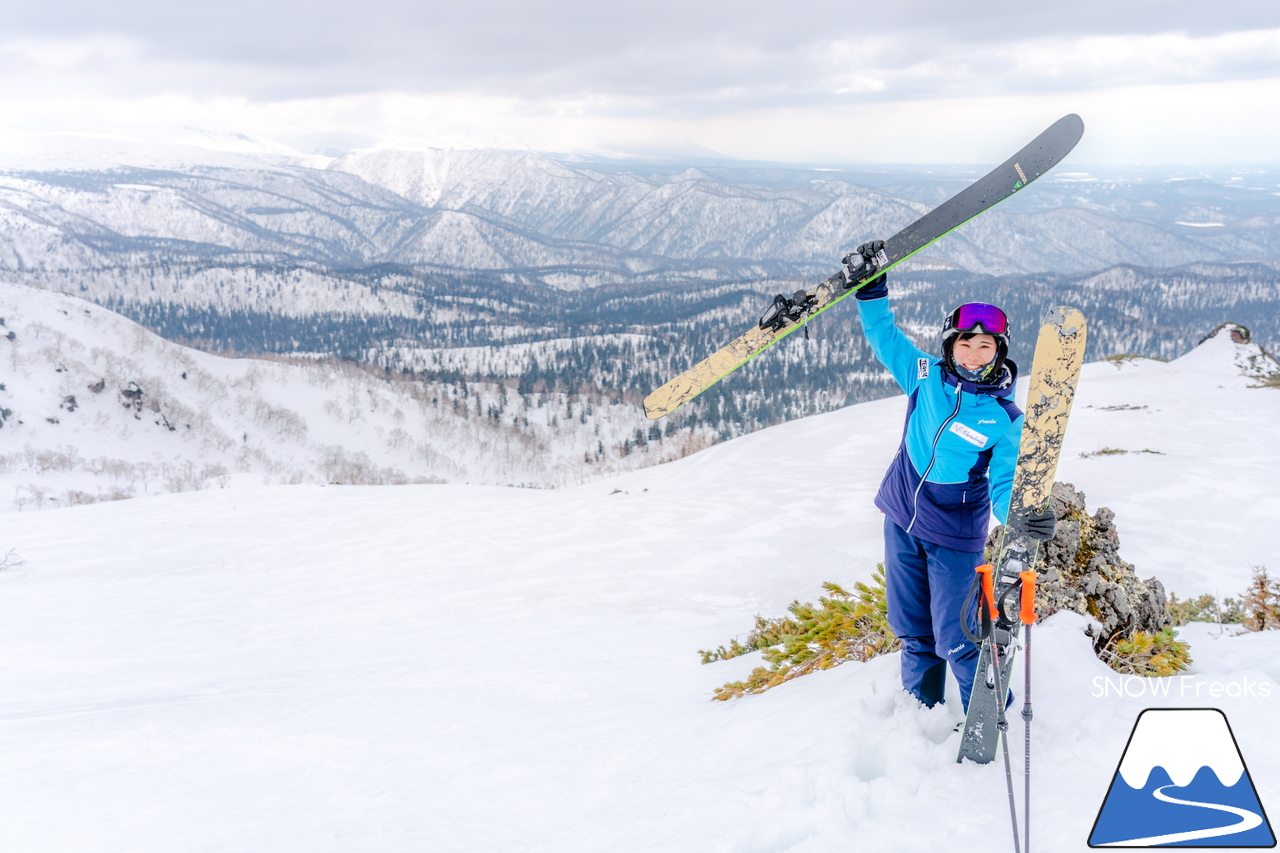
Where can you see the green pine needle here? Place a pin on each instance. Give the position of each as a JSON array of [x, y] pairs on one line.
[[843, 626]]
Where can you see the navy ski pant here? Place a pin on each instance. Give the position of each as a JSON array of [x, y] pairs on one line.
[[925, 585]]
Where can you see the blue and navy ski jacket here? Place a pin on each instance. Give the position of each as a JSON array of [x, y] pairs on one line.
[[959, 444]]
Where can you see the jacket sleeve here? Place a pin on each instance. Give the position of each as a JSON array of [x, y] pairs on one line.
[[1004, 459], [891, 346]]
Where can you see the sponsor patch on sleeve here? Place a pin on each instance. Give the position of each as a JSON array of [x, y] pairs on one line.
[[922, 368], [970, 435]]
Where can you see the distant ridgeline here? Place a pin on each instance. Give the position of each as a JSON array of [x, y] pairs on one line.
[[617, 342], [601, 280]]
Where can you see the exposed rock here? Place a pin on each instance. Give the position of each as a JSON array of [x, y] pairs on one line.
[[1081, 570], [1251, 357]]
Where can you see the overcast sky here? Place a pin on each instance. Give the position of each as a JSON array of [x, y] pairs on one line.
[[1175, 81]]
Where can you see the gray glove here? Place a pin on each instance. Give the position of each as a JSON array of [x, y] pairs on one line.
[[1042, 525]]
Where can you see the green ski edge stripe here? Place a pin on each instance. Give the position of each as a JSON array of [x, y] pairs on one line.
[[921, 248], [830, 304]]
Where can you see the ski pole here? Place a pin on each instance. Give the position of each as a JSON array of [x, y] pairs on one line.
[[1002, 723], [1027, 614]]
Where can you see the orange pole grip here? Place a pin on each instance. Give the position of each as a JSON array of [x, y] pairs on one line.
[[988, 587], [1028, 602]]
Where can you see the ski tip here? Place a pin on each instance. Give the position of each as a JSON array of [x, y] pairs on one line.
[[1069, 320], [1070, 122], [1070, 126], [661, 403]]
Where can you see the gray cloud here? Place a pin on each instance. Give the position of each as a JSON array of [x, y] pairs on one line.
[[662, 57]]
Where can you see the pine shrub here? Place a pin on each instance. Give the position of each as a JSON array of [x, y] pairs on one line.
[[1231, 611], [1149, 655], [1261, 604], [844, 626], [1205, 608]]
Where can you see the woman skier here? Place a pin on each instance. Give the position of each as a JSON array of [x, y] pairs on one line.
[[954, 466]]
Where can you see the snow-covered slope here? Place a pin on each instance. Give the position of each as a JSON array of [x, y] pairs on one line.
[[1185, 453], [448, 667], [94, 407]]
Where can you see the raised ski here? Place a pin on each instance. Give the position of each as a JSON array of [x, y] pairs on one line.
[[785, 315]]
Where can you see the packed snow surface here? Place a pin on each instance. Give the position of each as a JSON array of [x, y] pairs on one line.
[[468, 668]]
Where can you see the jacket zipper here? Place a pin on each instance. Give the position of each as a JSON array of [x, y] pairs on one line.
[[933, 455]]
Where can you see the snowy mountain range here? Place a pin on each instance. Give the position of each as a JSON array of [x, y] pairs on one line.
[[577, 224], [598, 279]]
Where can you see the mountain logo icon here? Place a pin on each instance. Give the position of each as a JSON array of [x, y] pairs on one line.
[[1181, 782]]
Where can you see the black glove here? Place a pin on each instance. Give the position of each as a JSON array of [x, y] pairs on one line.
[[861, 264], [1041, 525], [783, 310], [865, 260]]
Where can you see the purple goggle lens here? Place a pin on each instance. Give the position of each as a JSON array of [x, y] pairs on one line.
[[968, 317]]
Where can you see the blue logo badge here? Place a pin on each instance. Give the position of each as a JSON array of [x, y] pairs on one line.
[[1181, 783]]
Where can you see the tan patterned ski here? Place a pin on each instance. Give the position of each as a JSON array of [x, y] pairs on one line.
[[733, 355], [1050, 392], [1054, 372]]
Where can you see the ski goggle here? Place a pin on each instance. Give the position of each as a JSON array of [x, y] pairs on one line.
[[977, 318]]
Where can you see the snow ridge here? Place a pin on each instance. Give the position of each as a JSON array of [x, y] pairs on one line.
[[94, 407]]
